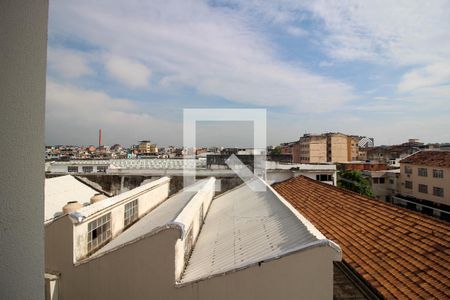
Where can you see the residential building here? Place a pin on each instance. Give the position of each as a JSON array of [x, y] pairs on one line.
[[385, 184], [425, 175], [327, 147], [145, 147], [141, 245], [393, 252]]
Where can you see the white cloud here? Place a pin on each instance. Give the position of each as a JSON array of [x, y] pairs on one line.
[[431, 75], [75, 114], [69, 63], [127, 71], [188, 43]]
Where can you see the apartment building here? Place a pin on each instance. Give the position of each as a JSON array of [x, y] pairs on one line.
[[425, 175], [146, 147], [327, 147], [385, 183]]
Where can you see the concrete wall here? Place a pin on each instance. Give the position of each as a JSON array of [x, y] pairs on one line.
[[148, 200], [144, 270], [430, 181], [23, 40], [303, 275]]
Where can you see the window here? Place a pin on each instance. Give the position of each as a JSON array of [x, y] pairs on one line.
[[375, 180], [408, 184], [188, 245], [438, 173], [99, 232], [408, 170], [324, 177], [438, 191], [101, 169], [423, 188], [423, 172], [382, 180], [200, 218], [88, 169], [72, 169], [130, 213]]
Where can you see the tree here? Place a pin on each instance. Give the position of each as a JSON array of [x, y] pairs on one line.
[[276, 150], [354, 181]]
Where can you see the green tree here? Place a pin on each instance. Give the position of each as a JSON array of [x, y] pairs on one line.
[[354, 181], [276, 150]]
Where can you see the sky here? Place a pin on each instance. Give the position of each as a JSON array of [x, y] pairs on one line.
[[373, 68]]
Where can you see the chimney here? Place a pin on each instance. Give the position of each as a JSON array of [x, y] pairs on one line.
[[99, 137]]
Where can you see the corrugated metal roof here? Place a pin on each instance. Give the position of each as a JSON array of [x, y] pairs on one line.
[[160, 217], [60, 190], [244, 227]]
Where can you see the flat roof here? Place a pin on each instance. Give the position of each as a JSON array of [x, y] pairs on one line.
[[244, 227], [62, 189], [400, 253]]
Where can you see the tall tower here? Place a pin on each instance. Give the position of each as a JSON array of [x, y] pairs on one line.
[[99, 137]]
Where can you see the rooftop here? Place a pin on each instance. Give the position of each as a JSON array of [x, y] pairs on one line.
[[60, 190], [432, 158], [160, 218], [400, 253], [244, 227]]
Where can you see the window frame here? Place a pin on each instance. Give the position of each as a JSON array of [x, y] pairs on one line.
[[438, 194], [422, 188], [438, 173], [102, 236], [422, 172], [130, 213]]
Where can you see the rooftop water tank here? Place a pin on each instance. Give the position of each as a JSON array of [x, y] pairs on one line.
[[71, 206], [97, 197]]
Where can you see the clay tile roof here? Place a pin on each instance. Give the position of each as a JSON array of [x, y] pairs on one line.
[[437, 158], [400, 253]]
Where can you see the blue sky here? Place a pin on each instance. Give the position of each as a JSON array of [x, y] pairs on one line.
[[373, 68]]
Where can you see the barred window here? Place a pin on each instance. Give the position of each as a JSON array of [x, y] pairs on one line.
[[438, 173], [423, 188], [423, 172], [72, 169], [130, 213], [200, 218], [438, 191], [188, 245], [88, 169], [99, 232], [408, 184], [408, 170]]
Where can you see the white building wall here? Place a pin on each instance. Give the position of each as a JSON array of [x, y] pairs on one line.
[[23, 40]]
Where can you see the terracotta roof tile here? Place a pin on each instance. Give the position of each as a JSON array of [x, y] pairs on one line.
[[436, 158], [400, 253]]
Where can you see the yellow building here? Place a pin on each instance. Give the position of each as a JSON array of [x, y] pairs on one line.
[[426, 175], [327, 147], [146, 147]]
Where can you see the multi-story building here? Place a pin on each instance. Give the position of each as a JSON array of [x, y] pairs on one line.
[[327, 147], [146, 147], [425, 175], [385, 183]]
